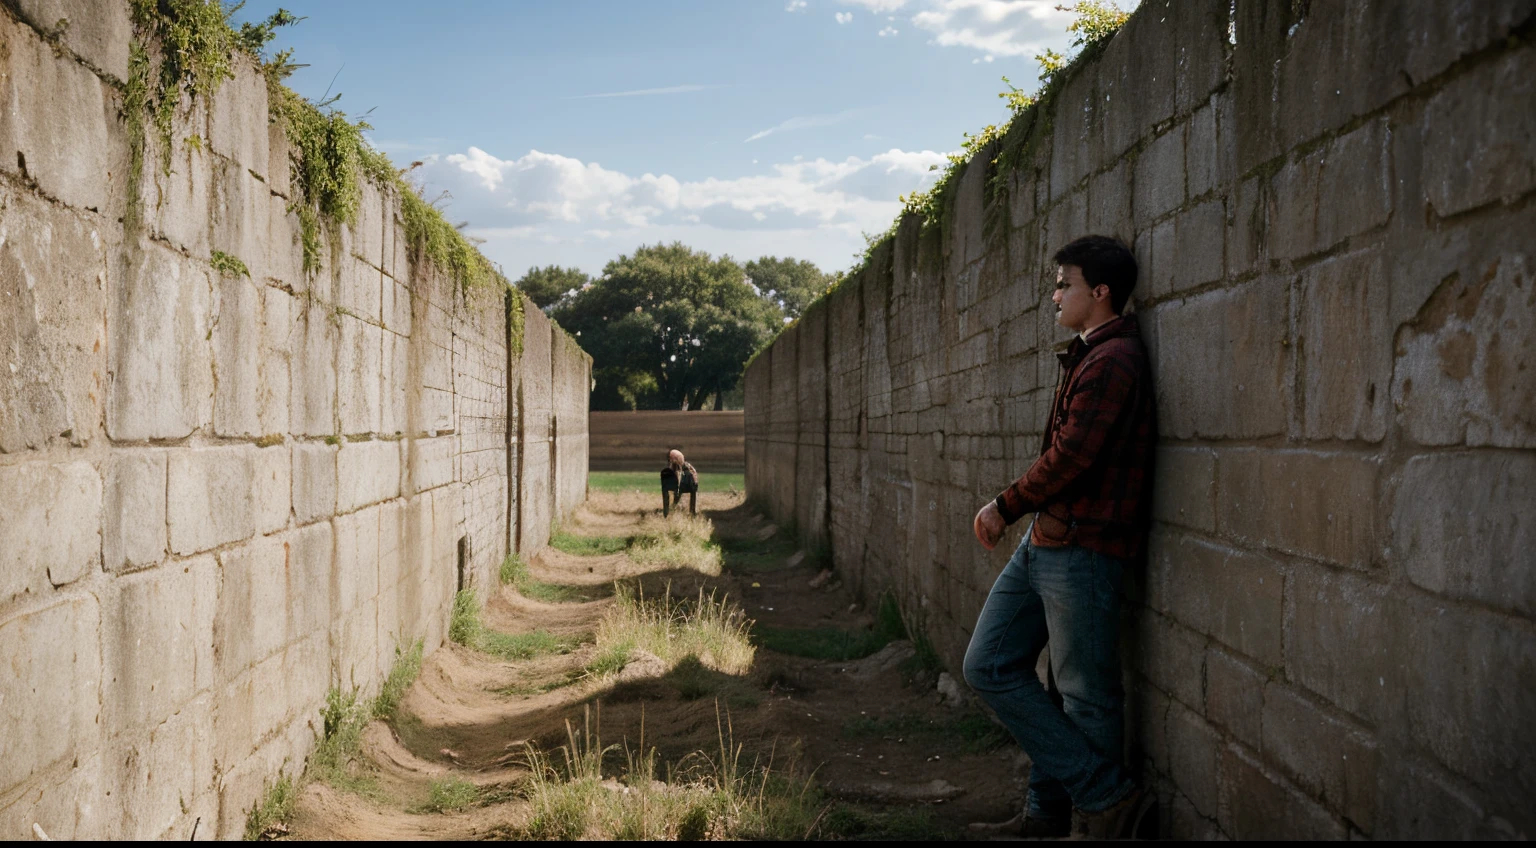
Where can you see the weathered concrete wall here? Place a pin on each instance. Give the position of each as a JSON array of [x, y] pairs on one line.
[[219, 495], [1335, 632]]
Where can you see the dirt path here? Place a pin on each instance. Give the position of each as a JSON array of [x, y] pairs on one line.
[[887, 756]]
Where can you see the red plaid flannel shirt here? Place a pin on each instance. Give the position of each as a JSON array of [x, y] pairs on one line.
[[1091, 485]]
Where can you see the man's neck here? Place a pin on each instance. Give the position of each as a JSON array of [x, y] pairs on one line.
[[1088, 331]]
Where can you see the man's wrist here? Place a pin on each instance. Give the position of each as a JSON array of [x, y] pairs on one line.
[[1002, 509]]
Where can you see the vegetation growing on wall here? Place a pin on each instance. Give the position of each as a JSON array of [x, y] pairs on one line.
[[184, 49]]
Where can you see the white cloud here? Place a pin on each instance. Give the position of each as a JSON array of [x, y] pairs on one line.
[[795, 6], [877, 6], [804, 122], [890, 30], [995, 27], [543, 207], [671, 89], [987, 59], [843, 17]]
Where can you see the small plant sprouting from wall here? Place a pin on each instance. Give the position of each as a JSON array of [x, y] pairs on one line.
[[228, 265]]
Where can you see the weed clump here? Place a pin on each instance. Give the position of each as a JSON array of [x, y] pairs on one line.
[[711, 629], [451, 795], [515, 573], [703, 796], [276, 805], [402, 674], [466, 628]]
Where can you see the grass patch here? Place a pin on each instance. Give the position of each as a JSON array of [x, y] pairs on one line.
[[515, 573], [401, 675], [590, 545], [451, 795], [276, 805], [338, 759], [466, 628], [846, 821], [924, 661], [704, 796], [687, 544], [972, 733], [753, 554], [712, 630], [830, 643], [649, 481]]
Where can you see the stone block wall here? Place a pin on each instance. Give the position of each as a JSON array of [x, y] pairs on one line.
[[221, 494], [1334, 632]]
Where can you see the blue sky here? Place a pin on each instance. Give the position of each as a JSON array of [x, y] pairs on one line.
[[571, 132]]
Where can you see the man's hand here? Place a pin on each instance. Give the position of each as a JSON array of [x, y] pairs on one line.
[[989, 525]]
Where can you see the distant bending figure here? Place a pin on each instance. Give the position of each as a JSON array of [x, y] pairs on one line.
[[1088, 492], [677, 479]]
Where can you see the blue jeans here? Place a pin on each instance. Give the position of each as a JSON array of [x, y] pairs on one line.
[[1074, 730]]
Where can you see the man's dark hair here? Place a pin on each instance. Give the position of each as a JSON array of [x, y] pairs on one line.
[[1105, 261]]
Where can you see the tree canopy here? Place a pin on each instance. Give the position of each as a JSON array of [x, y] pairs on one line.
[[668, 326], [546, 286], [792, 283]]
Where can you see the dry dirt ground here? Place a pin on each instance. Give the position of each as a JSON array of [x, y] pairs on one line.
[[891, 758]]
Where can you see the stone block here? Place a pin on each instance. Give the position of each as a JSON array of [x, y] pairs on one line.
[[1074, 134], [1247, 226], [274, 363], [1330, 759], [358, 376], [272, 498], [237, 317], [353, 655], [368, 230], [1419, 802], [1466, 677], [1333, 192], [393, 383], [367, 472], [97, 33], [396, 307], [64, 801], [1234, 696], [1172, 658], [1240, 339], [176, 182], [1157, 261], [285, 254], [361, 292], [1346, 378], [1231, 595], [1202, 161], [252, 706], [309, 582], [1184, 487], [133, 510], [1257, 804], [52, 317], [252, 621], [237, 117], [1193, 751], [1341, 62], [1326, 610], [1159, 177], [431, 462], [239, 217], [161, 360], [157, 774], [1199, 249], [312, 371], [355, 578], [51, 535], [1482, 147], [1303, 502], [59, 127], [1459, 521], [1461, 362], [1200, 33], [1109, 203], [209, 497], [314, 481], [158, 642], [49, 701]]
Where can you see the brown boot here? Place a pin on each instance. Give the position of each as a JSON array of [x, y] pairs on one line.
[[1117, 822], [1024, 826]]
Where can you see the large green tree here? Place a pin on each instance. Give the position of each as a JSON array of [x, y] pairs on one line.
[[793, 283], [668, 327], [546, 286]]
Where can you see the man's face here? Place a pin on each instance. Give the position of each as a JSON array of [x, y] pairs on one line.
[[1073, 298]]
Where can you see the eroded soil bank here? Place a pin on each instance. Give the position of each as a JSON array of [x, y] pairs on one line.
[[832, 707]]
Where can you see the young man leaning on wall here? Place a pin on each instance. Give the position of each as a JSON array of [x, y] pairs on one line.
[[1089, 491]]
